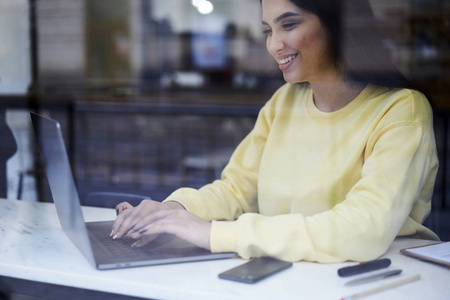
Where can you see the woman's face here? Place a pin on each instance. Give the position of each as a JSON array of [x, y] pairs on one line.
[[298, 41]]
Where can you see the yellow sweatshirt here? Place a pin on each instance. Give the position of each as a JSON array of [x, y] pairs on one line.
[[325, 187]]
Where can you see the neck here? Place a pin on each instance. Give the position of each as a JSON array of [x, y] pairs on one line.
[[333, 95]]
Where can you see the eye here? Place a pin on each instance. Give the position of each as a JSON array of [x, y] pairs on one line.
[[267, 31], [289, 25]]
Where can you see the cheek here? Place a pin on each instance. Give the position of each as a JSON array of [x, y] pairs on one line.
[[323, 47], [315, 48], [302, 41]]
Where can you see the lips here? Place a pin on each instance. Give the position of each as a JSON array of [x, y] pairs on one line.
[[287, 61]]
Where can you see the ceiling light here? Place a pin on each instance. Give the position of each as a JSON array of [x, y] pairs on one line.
[[205, 7]]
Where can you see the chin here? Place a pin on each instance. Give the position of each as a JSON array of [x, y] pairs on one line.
[[290, 79], [293, 77]]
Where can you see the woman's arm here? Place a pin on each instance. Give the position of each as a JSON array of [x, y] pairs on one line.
[[362, 227]]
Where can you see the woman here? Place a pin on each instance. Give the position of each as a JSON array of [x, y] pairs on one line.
[[335, 168]]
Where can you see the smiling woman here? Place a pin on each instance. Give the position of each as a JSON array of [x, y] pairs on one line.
[[354, 43], [338, 164], [298, 41]]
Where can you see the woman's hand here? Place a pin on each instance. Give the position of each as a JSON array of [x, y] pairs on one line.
[[150, 218]]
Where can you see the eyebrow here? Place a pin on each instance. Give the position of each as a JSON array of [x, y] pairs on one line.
[[283, 16]]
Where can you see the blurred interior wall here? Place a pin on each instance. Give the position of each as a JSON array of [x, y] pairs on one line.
[[61, 44], [14, 47]]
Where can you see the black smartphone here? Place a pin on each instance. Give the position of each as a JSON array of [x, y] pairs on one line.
[[255, 270]]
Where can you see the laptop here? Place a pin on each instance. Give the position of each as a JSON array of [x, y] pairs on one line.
[[93, 238]]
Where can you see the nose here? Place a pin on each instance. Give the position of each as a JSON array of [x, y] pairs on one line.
[[274, 43]]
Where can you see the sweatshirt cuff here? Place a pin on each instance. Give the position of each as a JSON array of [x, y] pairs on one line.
[[223, 236], [186, 197]]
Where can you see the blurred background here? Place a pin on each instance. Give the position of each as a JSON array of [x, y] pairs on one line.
[[155, 94]]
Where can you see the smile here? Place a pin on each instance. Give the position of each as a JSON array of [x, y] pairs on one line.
[[287, 59]]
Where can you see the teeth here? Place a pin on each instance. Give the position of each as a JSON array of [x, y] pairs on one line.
[[287, 59]]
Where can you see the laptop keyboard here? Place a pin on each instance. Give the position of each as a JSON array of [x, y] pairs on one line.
[[121, 248]]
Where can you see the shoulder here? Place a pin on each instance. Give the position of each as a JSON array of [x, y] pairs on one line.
[[402, 105]]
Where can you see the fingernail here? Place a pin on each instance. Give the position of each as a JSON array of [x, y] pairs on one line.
[[111, 233], [115, 237], [134, 244]]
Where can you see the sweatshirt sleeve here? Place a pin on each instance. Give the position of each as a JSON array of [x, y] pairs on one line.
[[362, 226], [236, 192]]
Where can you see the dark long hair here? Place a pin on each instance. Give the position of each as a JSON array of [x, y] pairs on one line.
[[357, 46]]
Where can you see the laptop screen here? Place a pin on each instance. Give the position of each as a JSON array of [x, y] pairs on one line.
[[61, 182]]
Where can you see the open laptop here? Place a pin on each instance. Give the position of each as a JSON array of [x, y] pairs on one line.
[[92, 238]]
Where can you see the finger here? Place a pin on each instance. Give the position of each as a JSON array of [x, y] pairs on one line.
[[132, 216], [125, 221], [122, 206], [146, 223], [150, 212], [120, 222], [160, 222], [181, 224], [128, 222]]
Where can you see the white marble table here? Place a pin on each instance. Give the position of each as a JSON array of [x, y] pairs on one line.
[[34, 247]]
